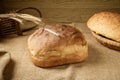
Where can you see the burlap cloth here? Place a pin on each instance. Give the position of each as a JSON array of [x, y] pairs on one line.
[[102, 63]]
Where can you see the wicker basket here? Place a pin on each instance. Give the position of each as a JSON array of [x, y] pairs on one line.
[[10, 26]]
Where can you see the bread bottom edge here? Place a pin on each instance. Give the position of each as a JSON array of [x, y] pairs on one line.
[[106, 42], [58, 62]]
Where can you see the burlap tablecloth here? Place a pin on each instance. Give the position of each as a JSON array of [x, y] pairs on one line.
[[102, 63]]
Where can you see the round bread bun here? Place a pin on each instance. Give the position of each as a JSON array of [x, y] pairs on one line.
[[56, 45], [105, 27]]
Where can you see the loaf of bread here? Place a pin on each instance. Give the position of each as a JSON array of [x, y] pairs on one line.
[[105, 26], [56, 45]]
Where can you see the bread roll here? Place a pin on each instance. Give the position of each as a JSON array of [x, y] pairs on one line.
[[105, 26], [57, 45]]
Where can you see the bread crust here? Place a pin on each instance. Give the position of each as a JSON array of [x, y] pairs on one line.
[[59, 61], [106, 42], [106, 23], [48, 49]]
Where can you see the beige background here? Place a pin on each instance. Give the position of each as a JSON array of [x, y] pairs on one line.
[[101, 64], [65, 10]]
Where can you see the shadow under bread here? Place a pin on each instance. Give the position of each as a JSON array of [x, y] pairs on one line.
[[94, 56]]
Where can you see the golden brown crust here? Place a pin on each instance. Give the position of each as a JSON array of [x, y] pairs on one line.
[[106, 42], [106, 23], [58, 61], [47, 49]]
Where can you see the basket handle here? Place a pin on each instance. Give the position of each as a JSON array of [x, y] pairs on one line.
[[33, 8]]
